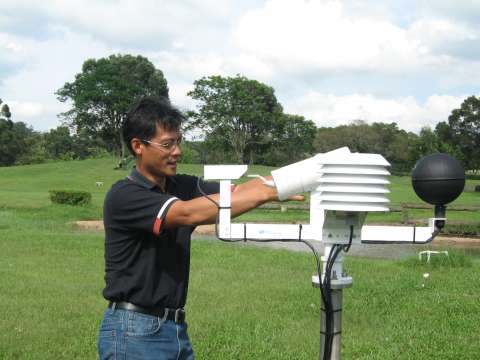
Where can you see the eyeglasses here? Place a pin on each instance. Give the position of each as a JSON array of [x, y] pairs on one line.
[[166, 146]]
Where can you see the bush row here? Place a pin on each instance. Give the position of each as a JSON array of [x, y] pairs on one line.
[[465, 229], [70, 197]]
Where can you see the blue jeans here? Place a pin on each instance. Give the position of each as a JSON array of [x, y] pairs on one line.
[[128, 335]]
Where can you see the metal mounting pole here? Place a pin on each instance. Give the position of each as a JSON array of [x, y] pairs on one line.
[[337, 297], [339, 281]]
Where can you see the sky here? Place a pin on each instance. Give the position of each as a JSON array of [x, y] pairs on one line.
[[333, 61]]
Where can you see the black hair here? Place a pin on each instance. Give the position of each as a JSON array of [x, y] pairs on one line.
[[146, 114]]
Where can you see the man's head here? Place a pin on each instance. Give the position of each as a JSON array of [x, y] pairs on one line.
[[152, 134]]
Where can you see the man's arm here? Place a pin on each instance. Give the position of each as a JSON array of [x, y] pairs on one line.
[[246, 196]]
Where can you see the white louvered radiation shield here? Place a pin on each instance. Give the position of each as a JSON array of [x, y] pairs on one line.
[[352, 182]]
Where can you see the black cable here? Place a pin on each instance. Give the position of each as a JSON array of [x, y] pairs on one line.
[[329, 311], [346, 248], [319, 267], [218, 213], [204, 194]]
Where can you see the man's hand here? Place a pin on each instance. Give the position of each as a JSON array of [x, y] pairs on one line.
[[295, 198], [265, 192]]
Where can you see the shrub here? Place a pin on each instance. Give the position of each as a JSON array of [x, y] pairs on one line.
[[477, 188], [70, 197], [465, 229]]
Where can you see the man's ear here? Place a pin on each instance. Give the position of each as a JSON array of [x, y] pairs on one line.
[[137, 146]]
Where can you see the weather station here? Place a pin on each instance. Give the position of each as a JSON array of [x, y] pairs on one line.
[[343, 187]]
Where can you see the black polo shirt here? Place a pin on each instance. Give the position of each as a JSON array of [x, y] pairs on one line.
[[144, 263]]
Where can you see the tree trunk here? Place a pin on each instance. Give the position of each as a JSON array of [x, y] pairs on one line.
[[122, 146], [239, 145], [122, 162]]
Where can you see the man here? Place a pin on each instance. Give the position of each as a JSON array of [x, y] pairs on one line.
[[149, 217]]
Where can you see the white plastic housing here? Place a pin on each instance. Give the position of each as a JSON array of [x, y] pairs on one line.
[[296, 178], [224, 172], [336, 227]]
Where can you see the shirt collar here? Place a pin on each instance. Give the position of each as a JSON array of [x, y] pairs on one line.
[[140, 179], [136, 176]]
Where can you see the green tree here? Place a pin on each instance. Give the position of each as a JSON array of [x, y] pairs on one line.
[[438, 140], [237, 114], [19, 143], [428, 142], [396, 145], [402, 151], [464, 133], [15, 141], [10, 144], [190, 153], [328, 138], [5, 111], [34, 149], [86, 145], [446, 142], [292, 140], [444, 132], [104, 90], [59, 144]]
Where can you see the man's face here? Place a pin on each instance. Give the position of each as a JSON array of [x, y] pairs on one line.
[[161, 153]]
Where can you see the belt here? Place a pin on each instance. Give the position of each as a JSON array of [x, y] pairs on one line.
[[177, 315]]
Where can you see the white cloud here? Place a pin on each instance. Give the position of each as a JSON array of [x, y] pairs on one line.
[[145, 24], [189, 66], [463, 11], [26, 109], [193, 66], [298, 36], [46, 66], [331, 110], [14, 47], [444, 37], [295, 34], [178, 96]]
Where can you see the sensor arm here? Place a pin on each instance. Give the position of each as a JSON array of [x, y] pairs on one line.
[[254, 231], [400, 234]]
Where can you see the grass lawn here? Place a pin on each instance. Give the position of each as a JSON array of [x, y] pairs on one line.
[[28, 186], [244, 302]]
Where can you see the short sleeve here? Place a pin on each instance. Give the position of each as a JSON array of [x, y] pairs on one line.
[[135, 207]]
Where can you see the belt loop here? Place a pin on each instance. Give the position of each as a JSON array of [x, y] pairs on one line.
[[114, 305], [165, 314], [177, 311]]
